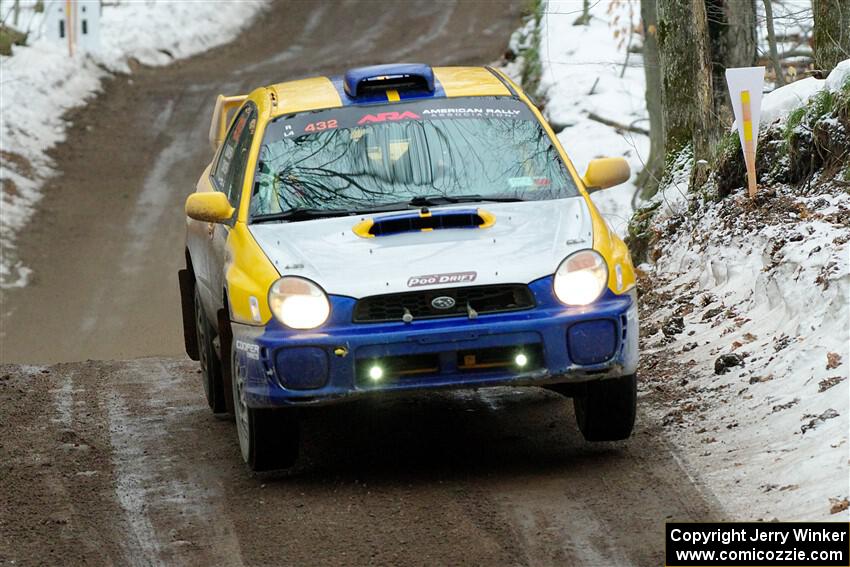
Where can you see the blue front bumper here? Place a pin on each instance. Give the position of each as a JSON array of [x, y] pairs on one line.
[[570, 344]]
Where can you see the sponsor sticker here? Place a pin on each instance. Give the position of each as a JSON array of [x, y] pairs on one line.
[[442, 279], [251, 350], [387, 116]]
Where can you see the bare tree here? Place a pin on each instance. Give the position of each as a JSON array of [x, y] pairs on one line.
[[686, 83], [649, 177], [584, 19], [831, 32], [732, 34], [771, 41]]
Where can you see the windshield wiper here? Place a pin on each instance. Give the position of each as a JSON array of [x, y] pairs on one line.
[[300, 214], [436, 200]]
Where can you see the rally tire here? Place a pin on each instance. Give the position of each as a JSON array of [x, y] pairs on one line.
[[211, 376], [268, 438], [606, 410]]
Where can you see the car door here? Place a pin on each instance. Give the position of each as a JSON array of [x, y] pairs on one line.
[[228, 178]]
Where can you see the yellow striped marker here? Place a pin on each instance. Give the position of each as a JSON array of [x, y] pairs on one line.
[[749, 143]]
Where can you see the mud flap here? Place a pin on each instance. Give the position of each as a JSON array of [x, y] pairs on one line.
[[225, 339], [187, 303]]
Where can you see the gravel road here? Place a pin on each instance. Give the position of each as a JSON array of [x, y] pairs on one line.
[[121, 463]]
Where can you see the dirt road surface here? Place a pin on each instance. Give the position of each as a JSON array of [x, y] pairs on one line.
[[121, 463]]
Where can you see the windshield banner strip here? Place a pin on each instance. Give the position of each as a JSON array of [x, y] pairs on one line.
[[421, 110]]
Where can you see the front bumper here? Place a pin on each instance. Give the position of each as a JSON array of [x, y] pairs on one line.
[[564, 345]]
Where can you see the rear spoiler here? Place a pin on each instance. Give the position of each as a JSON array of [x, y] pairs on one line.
[[218, 126]]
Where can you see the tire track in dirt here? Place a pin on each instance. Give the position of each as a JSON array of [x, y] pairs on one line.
[[495, 477]]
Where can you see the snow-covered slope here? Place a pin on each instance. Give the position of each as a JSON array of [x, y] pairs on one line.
[[40, 81], [746, 337]]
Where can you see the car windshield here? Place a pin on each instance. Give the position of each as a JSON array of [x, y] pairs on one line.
[[364, 157]]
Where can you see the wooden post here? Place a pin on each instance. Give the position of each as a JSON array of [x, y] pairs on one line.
[[69, 24], [749, 144]]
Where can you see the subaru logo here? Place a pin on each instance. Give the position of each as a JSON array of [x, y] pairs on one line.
[[443, 302]]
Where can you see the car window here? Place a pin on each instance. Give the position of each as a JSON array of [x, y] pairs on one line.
[[359, 157], [230, 169]]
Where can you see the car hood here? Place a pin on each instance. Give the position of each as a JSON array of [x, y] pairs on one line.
[[528, 241]]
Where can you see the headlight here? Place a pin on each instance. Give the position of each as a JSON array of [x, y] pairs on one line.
[[298, 303], [581, 278]]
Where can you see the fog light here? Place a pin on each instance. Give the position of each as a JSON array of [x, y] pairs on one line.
[[376, 373], [521, 360]]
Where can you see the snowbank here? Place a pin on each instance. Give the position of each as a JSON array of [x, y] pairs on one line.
[[40, 82], [778, 104], [746, 341]]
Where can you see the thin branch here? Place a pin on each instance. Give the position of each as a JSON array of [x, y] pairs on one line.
[[771, 41], [618, 125]]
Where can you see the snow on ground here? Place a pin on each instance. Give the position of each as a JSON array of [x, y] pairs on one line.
[[584, 72], [747, 345], [40, 82]]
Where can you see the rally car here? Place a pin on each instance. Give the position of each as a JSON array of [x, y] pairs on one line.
[[401, 228]]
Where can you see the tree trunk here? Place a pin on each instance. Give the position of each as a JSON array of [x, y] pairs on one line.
[[650, 176], [831, 33], [771, 42], [739, 49], [732, 33], [584, 19], [686, 84]]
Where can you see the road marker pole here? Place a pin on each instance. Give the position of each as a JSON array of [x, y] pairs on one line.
[[69, 25]]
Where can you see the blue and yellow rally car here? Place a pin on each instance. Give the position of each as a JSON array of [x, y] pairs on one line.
[[401, 228]]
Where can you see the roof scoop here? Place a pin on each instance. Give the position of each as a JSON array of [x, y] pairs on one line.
[[401, 77]]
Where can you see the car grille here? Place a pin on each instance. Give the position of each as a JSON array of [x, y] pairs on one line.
[[482, 299]]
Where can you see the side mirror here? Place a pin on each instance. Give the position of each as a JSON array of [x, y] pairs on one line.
[[209, 206], [603, 173]]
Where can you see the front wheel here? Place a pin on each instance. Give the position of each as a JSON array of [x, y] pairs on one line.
[[268, 438], [606, 411]]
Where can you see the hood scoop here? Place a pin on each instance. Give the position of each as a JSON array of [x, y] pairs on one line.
[[424, 221]]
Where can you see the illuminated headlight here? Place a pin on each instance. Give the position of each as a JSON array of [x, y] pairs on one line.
[[298, 303], [581, 278]]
